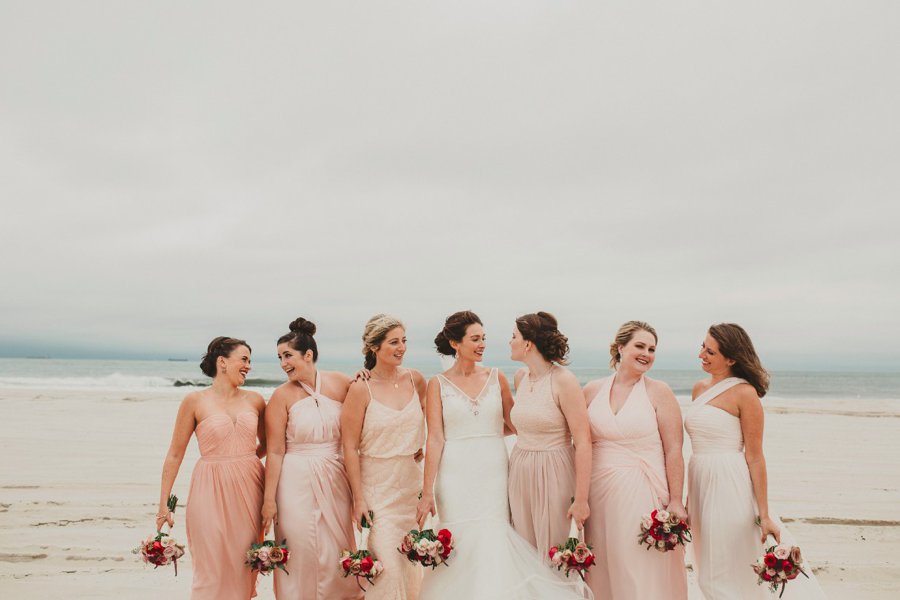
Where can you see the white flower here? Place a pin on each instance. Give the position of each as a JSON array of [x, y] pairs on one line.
[[662, 516], [263, 554], [647, 523], [169, 551], [782, 552]]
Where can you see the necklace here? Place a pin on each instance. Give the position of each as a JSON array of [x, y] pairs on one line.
[[532, 381], [393, 381]]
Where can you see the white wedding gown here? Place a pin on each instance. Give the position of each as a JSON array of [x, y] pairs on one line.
[[490, 561]]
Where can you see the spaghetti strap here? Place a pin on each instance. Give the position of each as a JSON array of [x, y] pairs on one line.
[[411, 380]]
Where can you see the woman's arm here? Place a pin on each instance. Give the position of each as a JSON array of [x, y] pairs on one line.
[[275, 429], [185, 423], [752, 424], [671, 432], [353, 414], [571, 402], [507, 398], [434, 449], [260, 404]]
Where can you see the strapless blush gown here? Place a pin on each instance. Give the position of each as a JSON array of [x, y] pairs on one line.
[[223, 508]]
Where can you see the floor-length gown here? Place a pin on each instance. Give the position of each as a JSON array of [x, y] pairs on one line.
[[224, 506], [628, 481], [491, 561], [723, 507], [541, 465], [391, 482], [313, 500]]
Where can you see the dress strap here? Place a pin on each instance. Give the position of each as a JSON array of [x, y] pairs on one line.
[[716, 390], [314, 393]]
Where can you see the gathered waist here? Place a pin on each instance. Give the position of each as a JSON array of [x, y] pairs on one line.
[[228, 457], [325, 449], [612, 454], [462, 438], [701, 451], [534, 447]]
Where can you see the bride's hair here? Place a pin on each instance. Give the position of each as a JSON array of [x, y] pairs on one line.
[[624, 335], [221, 346], [734, 343], [454, 331], [300, 338], [374, 333], [541, 329]]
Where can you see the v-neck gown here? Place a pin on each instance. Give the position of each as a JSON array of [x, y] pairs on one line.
[[313, 501], [391, 482], [628, 481], [223, 507]]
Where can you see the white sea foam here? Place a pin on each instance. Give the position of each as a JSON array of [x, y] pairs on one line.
[[114, 381]]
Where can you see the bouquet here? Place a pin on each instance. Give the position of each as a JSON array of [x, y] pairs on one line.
[[427, 548], [573, 554], [362, 563], [268, 556], [161, 549], [779, 565], [663, 531]]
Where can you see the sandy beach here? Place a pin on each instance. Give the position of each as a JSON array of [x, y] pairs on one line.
[[80, 475]]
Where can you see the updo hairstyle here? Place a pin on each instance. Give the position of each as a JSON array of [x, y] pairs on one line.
[[541, 329], [373, 335], [221, 346], [300, 337], [734, 343], [454, 331], [624, 335]]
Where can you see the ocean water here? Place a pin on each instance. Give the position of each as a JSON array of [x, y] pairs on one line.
[[159, 375]]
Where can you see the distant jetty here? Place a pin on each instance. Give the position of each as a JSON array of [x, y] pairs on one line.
[[42, 357], [177, 360]]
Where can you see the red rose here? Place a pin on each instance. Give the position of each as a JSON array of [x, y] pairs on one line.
[[786, 566], [447, 549], [588, 561], [444, 536], [365, 565], [347, 563], [765, 576], [656, 534], [553, 551], [287, 555], [157, 546], [573, 562], [770, 560]]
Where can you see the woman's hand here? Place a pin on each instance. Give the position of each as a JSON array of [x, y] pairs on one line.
[[269, 515], [677, 509], [361, 512], [426, 507], [768, 527], [579, 511], [362, 374], [164, 516]]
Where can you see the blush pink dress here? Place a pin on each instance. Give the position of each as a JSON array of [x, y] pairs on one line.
[[628, 481], [391, 482], [223, 507], [313, 500], [541, 466]]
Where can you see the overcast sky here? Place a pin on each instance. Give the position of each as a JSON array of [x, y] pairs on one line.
[[172, 171]]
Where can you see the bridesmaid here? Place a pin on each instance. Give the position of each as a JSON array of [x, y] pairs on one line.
[[545, 471], [638, 467], [727, 486], [383, 428], [226, 491], [306, 492]]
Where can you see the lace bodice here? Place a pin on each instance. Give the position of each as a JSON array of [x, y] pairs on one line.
[[466, 417]]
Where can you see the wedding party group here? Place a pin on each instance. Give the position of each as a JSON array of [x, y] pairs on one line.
[[590, 502]]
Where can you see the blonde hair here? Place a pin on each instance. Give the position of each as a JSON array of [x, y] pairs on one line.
[[624, 335], [374, 333]]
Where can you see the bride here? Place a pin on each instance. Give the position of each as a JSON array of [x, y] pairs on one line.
[[465, 481]]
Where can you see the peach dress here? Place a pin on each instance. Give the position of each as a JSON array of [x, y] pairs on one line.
[[313, 501], [541, 466], [223, 507], [628, 481], [391, 482]]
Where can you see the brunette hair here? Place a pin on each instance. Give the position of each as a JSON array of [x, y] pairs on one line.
[[300, 337], [541, 329], [454, 331], [734, 343], [624, 335], [374, 333], [221, 346]]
